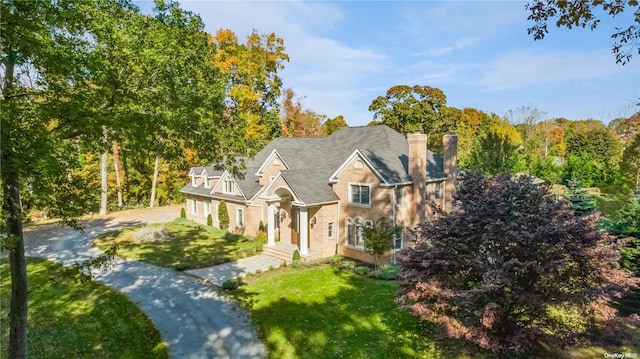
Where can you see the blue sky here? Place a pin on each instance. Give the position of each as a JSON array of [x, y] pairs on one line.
[[346, 53]]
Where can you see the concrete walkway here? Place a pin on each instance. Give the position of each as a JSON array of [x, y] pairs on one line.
[[219, 274], [193, 318]]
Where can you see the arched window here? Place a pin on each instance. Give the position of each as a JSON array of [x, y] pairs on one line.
[[359, 224], [350, 232], [359, 165]]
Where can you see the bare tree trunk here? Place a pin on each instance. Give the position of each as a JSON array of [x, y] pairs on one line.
[[116, 163], [12, 208], [154, 183], [18, 266], [103, 187], [103, 176]]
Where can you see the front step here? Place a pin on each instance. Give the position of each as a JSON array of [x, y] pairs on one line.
[[286, 253]]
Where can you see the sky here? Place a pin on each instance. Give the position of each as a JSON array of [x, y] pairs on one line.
[[343, 54]]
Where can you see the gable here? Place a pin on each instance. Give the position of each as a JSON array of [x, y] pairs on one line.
[[354, 164]]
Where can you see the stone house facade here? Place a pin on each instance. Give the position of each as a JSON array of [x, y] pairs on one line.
[[319, 193]]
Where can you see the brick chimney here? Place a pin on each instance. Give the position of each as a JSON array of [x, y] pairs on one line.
[[418, 172], [450, 167]]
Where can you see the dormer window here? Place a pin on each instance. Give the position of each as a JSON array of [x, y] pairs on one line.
[[206, 181], [193, 180], [229, 187]]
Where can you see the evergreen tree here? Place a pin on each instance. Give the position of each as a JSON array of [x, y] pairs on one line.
[[223, 216], [582, 203]]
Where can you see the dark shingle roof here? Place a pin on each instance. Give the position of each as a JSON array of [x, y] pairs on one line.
[[312, 160]]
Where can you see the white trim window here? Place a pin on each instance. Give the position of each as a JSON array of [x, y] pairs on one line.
[[438, 190], [207, 208], [398, 238], [355, 231], [229, 186], [206, 181], [360, 194], [194, 206], [239, 217], [214, 214], [331, 229], [350, 232], [193, 180]]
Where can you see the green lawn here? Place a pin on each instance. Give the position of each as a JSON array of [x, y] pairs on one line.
[[322, 312], [182, 245], [73, 320]]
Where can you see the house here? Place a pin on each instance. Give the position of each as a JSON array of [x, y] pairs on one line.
[[318, 193]]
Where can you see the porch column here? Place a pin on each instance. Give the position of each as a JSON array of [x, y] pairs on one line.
[[271, 230], [304, 233]]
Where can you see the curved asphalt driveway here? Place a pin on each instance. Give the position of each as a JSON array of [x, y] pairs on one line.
[[193, 318]]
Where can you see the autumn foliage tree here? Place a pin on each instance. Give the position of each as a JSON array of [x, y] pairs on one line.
[[407, 109], [492, 271]]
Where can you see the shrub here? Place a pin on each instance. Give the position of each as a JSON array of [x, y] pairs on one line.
[[259, 246], [261, 237], [209, 220], [347, 265], [296, 255], [296, 264], [230, 284], [183, 213], [261, 226], [223, 215], [483, 272], [362, 270], [182, 265]]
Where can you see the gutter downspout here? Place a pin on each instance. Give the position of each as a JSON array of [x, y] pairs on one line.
[[393, 211]]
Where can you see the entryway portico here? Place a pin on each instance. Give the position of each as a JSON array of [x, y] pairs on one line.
[[289, 218]]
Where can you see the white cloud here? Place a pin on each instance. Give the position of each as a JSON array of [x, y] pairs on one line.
[[525, 67], [325, 71], [463, 43]]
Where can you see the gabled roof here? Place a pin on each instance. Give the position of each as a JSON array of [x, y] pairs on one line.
[[211, 171], [312, 161]]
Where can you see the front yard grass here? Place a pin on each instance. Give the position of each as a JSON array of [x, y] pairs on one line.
[[68, 319], [180, 244], [323, 312]]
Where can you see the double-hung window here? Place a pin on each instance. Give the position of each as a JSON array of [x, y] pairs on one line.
[[438, 190], [239, 218], [360, 195], [194, 206], [206, 181], [330, 229], [228, 186], [206, 208]]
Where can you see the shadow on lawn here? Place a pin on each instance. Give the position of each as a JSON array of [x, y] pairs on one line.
[[361, 320], [185, 248]]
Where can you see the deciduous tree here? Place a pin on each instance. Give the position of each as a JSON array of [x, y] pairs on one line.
[[333, 124], [407, 109], [491, 271], [379, 238], [584, 14], [62, 86]]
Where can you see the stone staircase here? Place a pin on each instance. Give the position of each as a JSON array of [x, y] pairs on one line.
[[284, 251]]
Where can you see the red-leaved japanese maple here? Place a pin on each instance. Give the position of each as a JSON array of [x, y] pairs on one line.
[[490, 271]]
